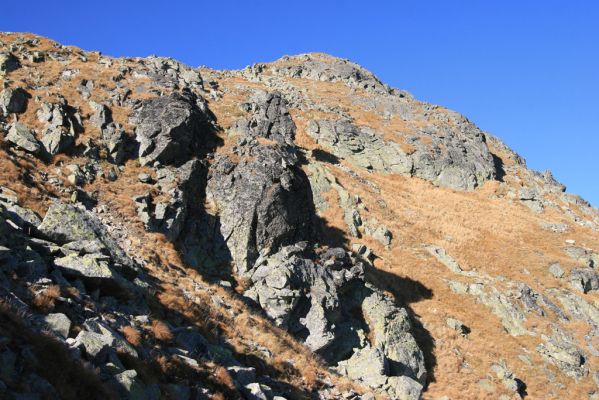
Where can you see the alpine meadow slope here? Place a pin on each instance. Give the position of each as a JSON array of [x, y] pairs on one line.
[[292, 230]]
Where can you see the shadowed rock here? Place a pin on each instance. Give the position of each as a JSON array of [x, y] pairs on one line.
[[170, 129]]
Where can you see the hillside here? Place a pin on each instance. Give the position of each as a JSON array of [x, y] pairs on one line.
[[295, 229]]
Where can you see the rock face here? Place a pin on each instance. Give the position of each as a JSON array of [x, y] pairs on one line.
[[457, 158], [83, 233], [182, 185], [264, 200], [317, 296], [170, 129], [269, 118]]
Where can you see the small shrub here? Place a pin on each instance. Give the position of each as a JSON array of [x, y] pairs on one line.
[[132, 335], [161, 331]]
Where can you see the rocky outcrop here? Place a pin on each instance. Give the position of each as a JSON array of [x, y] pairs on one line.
[[261, 202], [170, 129], [269, 118], [559, 349], [457, 158], [62, 124], [321, 67], [584, 279], [181, 185], [80, 232], [317, 295]]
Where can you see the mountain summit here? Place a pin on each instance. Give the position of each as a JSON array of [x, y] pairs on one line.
[[295, 229]]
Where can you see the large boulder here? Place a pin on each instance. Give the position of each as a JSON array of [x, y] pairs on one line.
[[170, 129], [57, 140], [259, 197], [263, 202], [76, 227], [22, 137], [8, 63], [584, 279], [13, 100]]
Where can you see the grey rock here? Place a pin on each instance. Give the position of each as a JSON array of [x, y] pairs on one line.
[[556, 270], [459, 158], [129, 386], [256, 391], [383, 235], [556, 227], [87, 266], [367, 365], [507, 377], [13, 100], [242, 375], [532, 199], [404, 388], [584, 279], [8, 63], [170, 129], [560, 350], [324, 319], [23, 217], [269, 118], [101, 115], [391, 329], [144, 178], [321, 67], [58, 323], [64, 223], [457, 326], [263, 203], [170, 217], [56, 140], [114, 139], [577, 307], [8, 196], [97, 337], [22, 137]]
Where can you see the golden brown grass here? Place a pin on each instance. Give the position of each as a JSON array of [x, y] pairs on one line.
[[45, 300], [223, 377], [161, 331], [132, 335]]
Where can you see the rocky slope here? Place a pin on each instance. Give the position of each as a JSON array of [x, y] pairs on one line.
[[295, 229]]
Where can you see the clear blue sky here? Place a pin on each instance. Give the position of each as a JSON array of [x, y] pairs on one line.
[[526, 71]]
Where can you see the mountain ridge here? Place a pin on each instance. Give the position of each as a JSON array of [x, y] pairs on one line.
[[292, 229]]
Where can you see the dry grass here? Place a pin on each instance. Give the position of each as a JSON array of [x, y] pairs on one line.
[[46, 299], [132, 335], [161, 331], [223, 377]]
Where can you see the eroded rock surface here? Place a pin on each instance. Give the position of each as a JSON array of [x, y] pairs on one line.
[[457, 158]]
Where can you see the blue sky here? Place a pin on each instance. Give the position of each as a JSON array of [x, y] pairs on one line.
[[526, 71]]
